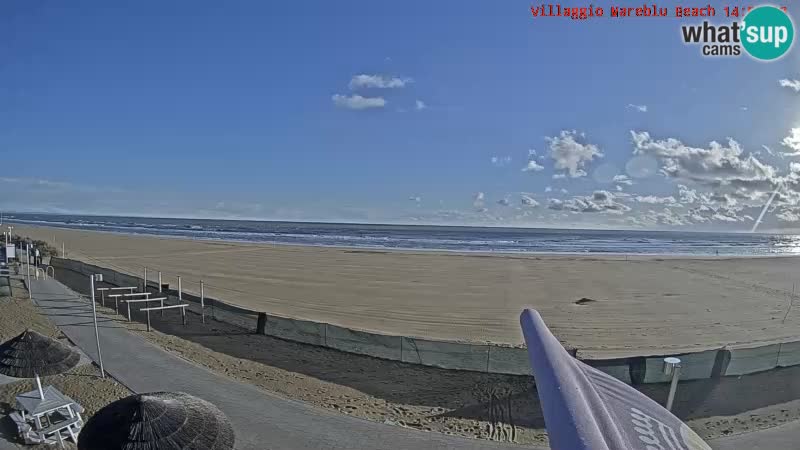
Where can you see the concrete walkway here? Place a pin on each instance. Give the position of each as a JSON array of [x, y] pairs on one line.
[[261, 420], [783, 437], [266, 421]]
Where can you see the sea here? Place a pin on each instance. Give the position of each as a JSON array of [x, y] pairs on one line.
[[421, 237]]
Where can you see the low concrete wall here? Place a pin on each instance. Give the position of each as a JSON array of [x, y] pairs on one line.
[[363, 343], [789, 354], [447, 355], [728, 361], [303, 331]]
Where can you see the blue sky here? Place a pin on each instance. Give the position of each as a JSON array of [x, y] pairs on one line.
[[210, 109]]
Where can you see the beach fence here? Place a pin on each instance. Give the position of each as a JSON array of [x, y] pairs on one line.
[[480, 357], [199, 304]]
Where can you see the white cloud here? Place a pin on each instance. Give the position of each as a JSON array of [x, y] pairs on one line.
[[791, 84], [420, 105], [500, 161], [378, 81], [571, 155], [623, 179], [619, 188], [503, 202], [548, 188], [687, 195], [477, 200], [37, 183], [559, 176], [563, 191], [652, 199], [640, 108], [527, 200], [768, 150], [358, 102], [599, 201], [532, 166], [721, 168], [743, 108], [792, 141], [723, 218], [666, 217], [789, 215], [415, 198]]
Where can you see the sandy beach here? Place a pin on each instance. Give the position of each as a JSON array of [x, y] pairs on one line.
[[604, 306], [466, 403]]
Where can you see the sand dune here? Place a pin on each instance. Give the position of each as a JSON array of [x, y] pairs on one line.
[[647, 304]]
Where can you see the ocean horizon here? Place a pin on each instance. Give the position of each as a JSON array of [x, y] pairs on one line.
[[432, 237]]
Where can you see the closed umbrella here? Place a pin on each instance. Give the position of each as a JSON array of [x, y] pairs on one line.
[[158, 421], [31, 355]]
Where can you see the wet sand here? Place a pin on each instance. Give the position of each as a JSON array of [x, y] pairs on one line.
[[603, 306]]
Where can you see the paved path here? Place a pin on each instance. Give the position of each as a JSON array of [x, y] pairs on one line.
[[784, 437], [261, 420], [266, 421]]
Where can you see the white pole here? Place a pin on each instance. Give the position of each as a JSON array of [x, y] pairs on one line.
[[144, 289], [673, 386], [672, 366], [39, 386], [28, 257], [202, 302], [180, 291], [159, 281], [96, 333], [63, 251]]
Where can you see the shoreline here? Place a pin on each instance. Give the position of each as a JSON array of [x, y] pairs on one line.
[[598, 304], [483, 253]]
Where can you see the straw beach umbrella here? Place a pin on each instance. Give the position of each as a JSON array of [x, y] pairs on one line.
[[158, 421], [31, 355]]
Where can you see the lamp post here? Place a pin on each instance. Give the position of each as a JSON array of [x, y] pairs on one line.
[[672, 366], [92, 279]]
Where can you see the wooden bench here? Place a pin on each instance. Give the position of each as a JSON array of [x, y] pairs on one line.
[[56, 429], [116, 298], [109, 289], [145, 300], [162, 308]]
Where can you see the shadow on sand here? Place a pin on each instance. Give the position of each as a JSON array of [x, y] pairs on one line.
[[465, 394]]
